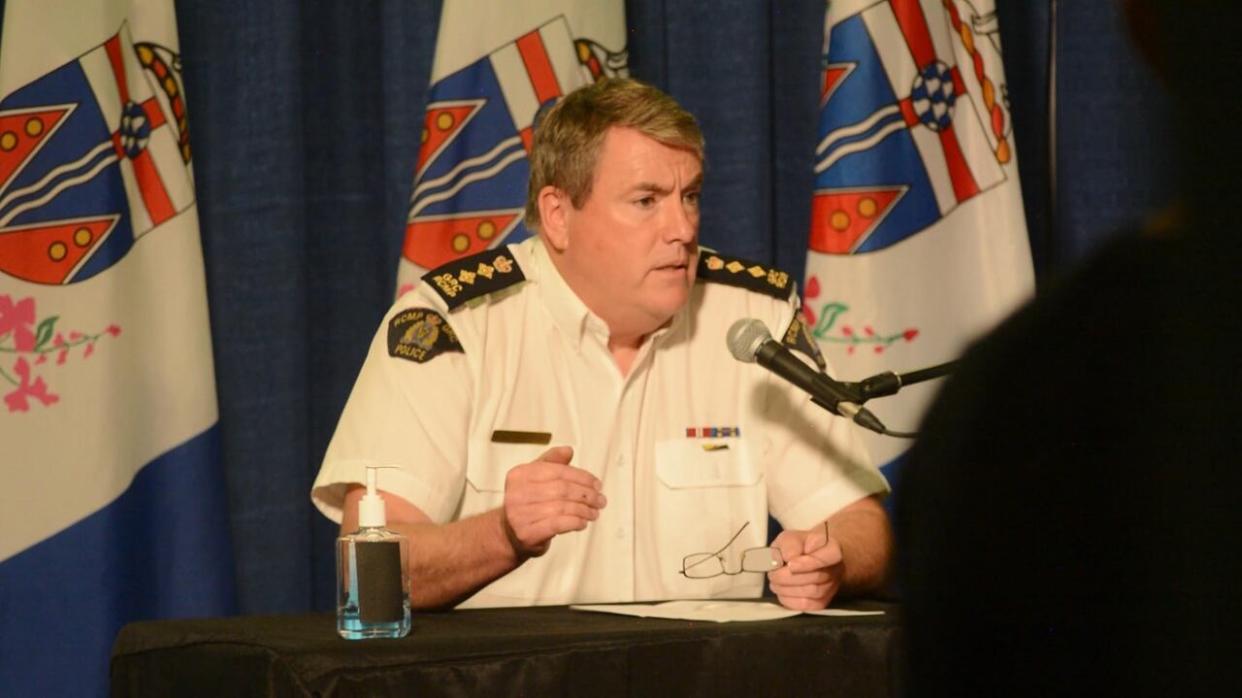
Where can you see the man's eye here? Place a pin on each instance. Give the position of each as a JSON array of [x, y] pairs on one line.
[[691, 198], [646, 202]]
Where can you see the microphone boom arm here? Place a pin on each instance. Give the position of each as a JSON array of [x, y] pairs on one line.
[[888, 383]]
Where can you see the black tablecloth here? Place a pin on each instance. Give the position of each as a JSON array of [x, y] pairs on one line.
[[512, 652]]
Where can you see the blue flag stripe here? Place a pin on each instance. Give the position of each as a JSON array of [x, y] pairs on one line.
[[162, 549]]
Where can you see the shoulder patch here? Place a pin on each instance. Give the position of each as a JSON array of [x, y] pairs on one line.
[[420, 335], [799, 338], [475, 276], [733, 271]]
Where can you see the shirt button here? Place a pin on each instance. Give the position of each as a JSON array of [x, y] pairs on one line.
[[621, 461], [620, 534]]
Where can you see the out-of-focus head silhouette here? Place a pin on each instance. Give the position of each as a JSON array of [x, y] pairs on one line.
[[1067, 520]]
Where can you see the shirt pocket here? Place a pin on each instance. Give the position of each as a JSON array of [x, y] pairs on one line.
[[487, 465], [537, 580], [708, 489]]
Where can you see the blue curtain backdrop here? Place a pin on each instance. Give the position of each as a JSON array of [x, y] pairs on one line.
[[304, 123]]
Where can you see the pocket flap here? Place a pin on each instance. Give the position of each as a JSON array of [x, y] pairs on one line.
[[487, 463], [686, 463]]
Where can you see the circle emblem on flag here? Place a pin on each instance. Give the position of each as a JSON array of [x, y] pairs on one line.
[[135, 130], [932, 96]]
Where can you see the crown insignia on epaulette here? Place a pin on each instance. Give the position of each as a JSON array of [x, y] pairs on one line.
[[475, 276], [734, 271]]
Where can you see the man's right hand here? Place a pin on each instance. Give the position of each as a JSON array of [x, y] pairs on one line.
[[547, 497]]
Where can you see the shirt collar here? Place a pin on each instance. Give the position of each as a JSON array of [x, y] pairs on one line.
[[568, 311]]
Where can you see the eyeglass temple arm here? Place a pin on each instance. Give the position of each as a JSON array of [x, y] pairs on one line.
[[735, 535]]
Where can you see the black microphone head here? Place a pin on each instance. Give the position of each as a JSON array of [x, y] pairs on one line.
[[745, 337]]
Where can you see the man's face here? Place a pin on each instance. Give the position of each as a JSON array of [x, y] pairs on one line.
[[633, 246]]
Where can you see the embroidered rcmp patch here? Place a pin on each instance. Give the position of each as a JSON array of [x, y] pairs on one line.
[[733, 271], [474, 276], [798, 337], [420, 335]]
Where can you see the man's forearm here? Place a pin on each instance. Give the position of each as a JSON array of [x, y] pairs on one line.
[[449, 562], [865, 536]]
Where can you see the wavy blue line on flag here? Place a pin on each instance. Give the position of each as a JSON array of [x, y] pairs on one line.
[[445, 187], [858, 137], [18, 201]]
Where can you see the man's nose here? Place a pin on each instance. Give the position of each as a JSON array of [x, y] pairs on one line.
[[683, 225]]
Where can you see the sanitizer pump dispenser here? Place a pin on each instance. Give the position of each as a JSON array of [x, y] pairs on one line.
[[372, 573]]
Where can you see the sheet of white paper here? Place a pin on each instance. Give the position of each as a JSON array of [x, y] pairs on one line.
[[843, 612], [704, 609], [713, 610]]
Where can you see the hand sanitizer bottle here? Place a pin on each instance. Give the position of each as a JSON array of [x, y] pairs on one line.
[[372, 577]]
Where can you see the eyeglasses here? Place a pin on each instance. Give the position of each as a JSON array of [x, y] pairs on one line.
[[708, 565]]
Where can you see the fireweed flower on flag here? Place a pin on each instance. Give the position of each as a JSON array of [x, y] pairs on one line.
[[16, 321]]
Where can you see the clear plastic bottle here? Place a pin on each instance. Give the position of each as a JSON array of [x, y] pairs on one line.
[[372, 574]]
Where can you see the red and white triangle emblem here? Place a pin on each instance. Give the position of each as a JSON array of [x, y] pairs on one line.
[[842, 218]]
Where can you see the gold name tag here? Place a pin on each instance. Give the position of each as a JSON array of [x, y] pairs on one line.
[[504, 436]]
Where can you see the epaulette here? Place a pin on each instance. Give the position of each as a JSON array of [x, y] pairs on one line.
[[475, 276], [733, 271]]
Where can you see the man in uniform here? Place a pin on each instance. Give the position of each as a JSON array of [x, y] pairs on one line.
[[567, 423]]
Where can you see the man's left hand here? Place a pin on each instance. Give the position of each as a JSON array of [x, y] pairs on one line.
[[813, 569]]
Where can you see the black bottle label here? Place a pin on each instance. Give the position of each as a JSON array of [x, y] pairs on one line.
[[380, 595]]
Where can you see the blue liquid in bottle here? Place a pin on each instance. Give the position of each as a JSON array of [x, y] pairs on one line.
[[373, 598]]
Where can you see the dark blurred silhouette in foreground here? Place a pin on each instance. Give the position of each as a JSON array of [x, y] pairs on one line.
[[1069, 519]]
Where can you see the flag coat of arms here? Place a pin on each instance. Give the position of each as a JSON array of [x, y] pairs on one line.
[[918, 241], [497, 65], [113, 504]]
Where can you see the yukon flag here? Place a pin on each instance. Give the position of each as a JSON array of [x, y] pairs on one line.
[[918, 242], [497, 65], [113, 503]]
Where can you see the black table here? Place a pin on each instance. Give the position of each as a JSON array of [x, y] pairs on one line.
[[513, 652]]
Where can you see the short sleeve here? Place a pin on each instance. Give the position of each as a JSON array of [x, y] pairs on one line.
[[409, 408]]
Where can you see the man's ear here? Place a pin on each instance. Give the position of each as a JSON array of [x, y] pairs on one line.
[[555, 209]]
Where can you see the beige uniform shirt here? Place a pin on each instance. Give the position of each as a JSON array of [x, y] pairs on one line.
[[533, 358]]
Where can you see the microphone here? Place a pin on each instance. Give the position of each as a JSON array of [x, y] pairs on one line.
[[749, 341]]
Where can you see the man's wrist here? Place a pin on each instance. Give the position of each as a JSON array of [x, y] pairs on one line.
[[508, 539], [518, 552]]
